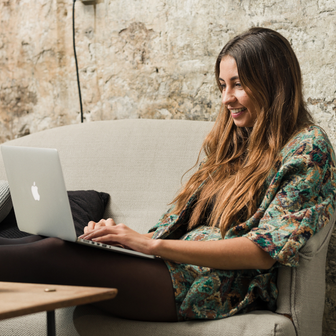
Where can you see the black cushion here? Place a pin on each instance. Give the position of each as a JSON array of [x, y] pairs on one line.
[[86, 205]]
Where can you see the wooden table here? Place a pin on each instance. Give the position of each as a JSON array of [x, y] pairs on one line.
[[17, 299]]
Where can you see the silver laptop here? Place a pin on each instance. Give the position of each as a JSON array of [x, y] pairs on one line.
[[39, 195]]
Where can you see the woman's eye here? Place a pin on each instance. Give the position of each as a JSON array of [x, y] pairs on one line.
[[223, 86], [238, 84]]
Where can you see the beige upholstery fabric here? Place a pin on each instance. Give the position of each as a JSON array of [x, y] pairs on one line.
[[302, 290], [140, 164], [262, 323], [36, 324]]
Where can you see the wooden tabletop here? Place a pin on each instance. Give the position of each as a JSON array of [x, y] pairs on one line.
[[17, 299]]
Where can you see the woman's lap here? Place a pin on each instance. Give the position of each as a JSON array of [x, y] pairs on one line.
[[145, 290]]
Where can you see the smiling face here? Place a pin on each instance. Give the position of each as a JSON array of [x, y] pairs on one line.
[[234, 97]]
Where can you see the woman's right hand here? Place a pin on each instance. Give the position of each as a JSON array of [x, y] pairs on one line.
[[96, 225]]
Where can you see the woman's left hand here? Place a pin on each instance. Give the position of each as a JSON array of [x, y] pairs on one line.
[[120, 234], [95, 225]]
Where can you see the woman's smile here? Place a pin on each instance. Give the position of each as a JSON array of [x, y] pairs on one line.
[[237, 112]]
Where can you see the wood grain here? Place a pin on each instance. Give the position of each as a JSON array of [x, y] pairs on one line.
[[17, 299]]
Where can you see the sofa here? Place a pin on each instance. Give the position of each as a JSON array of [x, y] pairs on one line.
[[140, 163]]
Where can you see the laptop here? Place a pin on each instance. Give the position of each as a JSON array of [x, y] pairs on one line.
[[40, 198]]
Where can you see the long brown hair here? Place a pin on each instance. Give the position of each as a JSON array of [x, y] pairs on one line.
[[239, 159]]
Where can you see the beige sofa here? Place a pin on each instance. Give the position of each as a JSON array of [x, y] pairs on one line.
[[140, 164]]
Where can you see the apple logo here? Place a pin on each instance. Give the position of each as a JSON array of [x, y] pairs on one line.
[[34, 190]]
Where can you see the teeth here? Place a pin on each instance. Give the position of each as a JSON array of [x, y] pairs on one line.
[[237, 110]]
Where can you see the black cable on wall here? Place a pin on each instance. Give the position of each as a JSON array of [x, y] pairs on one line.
[[74, 47]]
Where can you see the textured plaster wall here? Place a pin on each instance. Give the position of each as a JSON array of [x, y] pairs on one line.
[[150, 59]]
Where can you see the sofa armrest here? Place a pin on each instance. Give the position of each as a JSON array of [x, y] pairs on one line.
[[302, 289]]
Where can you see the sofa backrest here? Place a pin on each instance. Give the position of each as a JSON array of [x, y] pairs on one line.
[[139, 162]]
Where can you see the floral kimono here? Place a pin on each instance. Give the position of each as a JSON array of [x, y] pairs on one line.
[[299, 199]]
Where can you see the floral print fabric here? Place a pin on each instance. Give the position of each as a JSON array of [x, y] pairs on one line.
[[299, 199]]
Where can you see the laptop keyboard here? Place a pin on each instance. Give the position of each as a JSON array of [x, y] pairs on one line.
[[119, 249], [93, 243]]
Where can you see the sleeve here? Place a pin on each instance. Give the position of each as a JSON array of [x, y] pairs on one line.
[[298, 203]]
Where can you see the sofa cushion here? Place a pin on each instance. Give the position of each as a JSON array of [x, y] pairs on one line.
[[90, 321]]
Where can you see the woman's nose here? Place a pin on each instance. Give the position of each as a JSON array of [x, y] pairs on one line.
[[228, 97]]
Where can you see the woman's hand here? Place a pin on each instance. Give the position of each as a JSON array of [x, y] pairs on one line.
[[106, 231], [96, 225], [93, 225]]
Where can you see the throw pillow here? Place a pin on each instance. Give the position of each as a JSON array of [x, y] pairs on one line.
[[86, 205]]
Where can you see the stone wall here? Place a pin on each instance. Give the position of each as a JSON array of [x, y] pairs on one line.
[[150, 59]]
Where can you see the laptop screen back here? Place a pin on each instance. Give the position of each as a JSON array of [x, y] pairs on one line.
[[38, 191]]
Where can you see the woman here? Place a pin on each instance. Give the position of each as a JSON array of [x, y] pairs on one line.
[[266, 186]]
